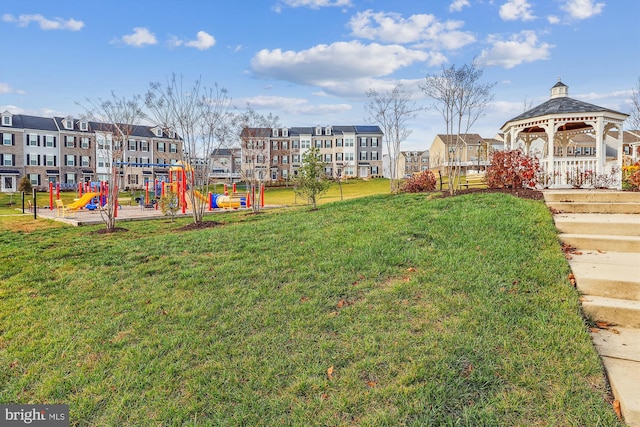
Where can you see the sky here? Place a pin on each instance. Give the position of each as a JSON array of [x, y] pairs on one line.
[[311, 62]]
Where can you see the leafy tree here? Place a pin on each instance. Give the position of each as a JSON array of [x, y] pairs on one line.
[[392, 110], [461, 99], [25, 185], [311, 182], [169, 205]]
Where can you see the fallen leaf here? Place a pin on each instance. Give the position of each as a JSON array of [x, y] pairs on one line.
[[324, 396], [577, 253], [594, 330], [468, 370], [13, 364], [601, 252], [304, 299], [616, 407], [615, 331], [372, 384], [330, 372], [341, 303], [603, 325], [411, 269]]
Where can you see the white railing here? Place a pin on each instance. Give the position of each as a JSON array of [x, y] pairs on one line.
[[579, 173]]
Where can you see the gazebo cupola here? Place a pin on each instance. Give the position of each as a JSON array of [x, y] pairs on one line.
[[562, 121]]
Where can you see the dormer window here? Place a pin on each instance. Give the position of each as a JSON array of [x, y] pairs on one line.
[[285, 132], [68, 123], [158, 132], [84, 125], [274, 132], [318, 130], [7, 119], [327, 130]]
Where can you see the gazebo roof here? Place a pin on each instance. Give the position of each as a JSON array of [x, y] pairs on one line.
[[560, 103]]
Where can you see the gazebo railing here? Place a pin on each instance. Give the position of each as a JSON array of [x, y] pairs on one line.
[[580, 173]]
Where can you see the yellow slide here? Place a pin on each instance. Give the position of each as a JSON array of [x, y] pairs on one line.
[[200, 196], [82, 201]]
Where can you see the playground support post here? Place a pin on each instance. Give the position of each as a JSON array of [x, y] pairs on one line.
[[50, 195], [35, 205], [262, 195], [23, 202]]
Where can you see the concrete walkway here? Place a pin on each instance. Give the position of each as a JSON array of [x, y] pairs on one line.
[[600, 231]]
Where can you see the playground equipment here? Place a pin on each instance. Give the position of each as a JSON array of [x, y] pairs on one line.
[[82, 201], [222, 201]]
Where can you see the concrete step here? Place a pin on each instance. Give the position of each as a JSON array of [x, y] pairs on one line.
[[619, 343], [594, 223], [595, 196], [624, 377], [607, 274], [619, 312], [600, 242], [592, 207]]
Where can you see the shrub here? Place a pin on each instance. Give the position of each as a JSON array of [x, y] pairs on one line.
[[420, 182], [513, 169], [631, 177]]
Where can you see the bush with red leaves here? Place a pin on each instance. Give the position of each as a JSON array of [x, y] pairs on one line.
[[420, 182], [512, 169]]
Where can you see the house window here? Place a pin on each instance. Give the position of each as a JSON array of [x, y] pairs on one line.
[[50, 141], [34, 178], [285, 145], [260, 145], [305, 143], [274, 145], [327, 158], [83, 125], [132, 179], [158, 132], [7, 160], [132, 145], [173, 148], [6, 120], [363, 142], [33, 140], [339, 157], [160, 147], [50, 160], [144, 146], [71, 141], [363, 155], [348, 157], [295, 158], [71, 178], [374, 170], [327, 143], [348, 142], [285, 173], [85, 161], [285, 160], [274, 160], [7, 139], [295, 144], [68, 123], [70, 160], [85, 142], [339, 142], [260, 158], [374, 142], [318, 143], [348, 171], [32, 159]]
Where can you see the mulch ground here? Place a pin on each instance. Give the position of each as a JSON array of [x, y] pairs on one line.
[[524, 193]]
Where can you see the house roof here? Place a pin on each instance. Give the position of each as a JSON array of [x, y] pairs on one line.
[[469, 138], [34, 122]]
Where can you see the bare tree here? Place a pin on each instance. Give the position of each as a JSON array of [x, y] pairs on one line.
[[461, 99], [197, 114], [254, 130], [114, 120], [392, 110], [634, 117]]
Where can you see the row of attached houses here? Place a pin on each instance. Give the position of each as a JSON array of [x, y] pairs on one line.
[[68, 151], [276, 154]]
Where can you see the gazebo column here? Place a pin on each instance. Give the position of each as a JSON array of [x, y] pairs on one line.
[[620, 155], [601, 150], [551, 136]]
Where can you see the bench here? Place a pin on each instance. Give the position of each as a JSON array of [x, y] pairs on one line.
[[473, 181], [61, 209]]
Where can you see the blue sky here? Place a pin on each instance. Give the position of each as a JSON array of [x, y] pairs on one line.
[[310, 62]]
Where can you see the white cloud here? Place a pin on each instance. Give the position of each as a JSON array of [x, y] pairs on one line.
[[203, 41], [521, 47], [516, 10], [552, 19], [582, 9], [421, 29], [140, 37], [324, 63], [457, 5], [6, 88], [293, 106], [45, 24]]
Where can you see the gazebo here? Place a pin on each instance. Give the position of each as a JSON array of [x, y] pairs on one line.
[[559, 122]]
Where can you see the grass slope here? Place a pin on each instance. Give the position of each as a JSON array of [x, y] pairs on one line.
[[385, 310]]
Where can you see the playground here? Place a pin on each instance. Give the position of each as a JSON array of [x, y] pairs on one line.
[[87, 208]]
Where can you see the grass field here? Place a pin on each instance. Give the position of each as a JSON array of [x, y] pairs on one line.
[[378, 311]]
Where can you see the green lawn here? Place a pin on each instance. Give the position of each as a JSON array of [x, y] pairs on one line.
[[378, 311]]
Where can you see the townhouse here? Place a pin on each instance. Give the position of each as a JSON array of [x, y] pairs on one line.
[[68, 151], [276, 154]]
